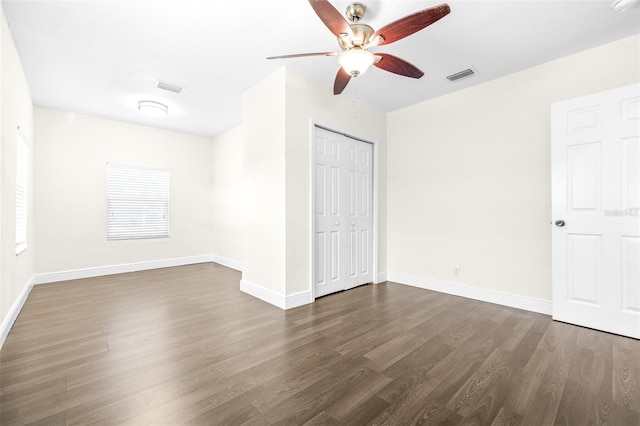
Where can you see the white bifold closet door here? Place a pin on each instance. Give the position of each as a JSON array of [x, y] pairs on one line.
[[343, 216]]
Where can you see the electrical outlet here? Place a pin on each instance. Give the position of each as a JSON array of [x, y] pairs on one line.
[[456, 271]]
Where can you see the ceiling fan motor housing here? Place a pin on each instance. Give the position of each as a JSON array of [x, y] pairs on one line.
[[360, 36]]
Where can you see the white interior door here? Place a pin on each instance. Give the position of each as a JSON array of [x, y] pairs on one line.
[[343, 219], [595, 165]]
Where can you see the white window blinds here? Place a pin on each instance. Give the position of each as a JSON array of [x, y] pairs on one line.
[[137, 202], [22, 167]]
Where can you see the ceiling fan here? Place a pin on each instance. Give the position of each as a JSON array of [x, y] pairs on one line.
[[355, 38]]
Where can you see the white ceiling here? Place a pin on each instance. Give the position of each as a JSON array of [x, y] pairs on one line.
[[101, 57]]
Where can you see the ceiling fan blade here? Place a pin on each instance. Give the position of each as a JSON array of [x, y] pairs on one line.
[[302, 55], [397, 66], [410, 24], [342, 79], [331, 17]]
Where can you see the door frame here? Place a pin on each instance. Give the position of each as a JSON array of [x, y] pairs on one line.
[[312, 225]]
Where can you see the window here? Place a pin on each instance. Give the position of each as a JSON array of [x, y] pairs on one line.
[[137, 202], [22, 167]]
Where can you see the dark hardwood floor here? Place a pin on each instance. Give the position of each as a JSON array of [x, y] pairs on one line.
[[184, 346]]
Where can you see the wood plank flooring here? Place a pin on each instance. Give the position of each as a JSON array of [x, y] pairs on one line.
[[184, 346]]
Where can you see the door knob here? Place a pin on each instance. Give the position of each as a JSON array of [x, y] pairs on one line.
[[560, 223], [337, 223]]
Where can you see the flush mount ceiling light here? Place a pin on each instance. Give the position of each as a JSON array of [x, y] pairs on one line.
[[153, 108], [622, 5]]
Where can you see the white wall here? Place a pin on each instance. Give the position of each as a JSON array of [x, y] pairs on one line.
[[264, 246], [469, 174], [277, 129], [228, 197], [16, 109], [308, 100], [70, 191]]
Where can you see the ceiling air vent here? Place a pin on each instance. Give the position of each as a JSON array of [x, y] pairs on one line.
[[170, 87], [461, 74]]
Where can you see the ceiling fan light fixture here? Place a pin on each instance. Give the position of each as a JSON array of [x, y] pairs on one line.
[[622, 5], [153, 108], [356, 61]]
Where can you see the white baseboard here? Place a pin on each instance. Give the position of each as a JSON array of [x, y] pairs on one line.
[[12, 315], [277, 299], [298, 299], [382, 277], [52, 277], [491, 296], [229, 263]]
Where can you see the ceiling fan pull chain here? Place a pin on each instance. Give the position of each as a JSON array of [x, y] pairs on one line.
[[354, 102]]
